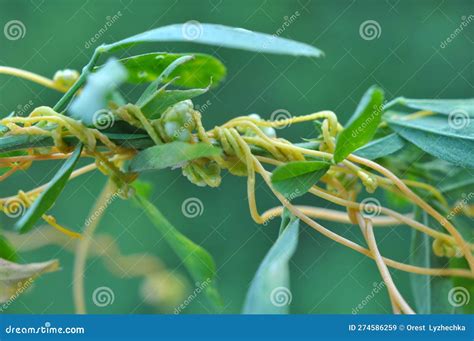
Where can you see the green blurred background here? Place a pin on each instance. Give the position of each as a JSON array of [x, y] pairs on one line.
[[406, 59]]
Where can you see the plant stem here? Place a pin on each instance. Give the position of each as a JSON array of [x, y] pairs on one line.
[[81, 254], [37, 190], [62, 103], [400, 217], [465, 249], [118, 263], [395, 296], [330, 215], [356, 247], [33, 77]]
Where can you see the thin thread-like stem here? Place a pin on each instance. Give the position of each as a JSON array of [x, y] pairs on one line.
[[82, 247], [402, 218], [33, 77], [39, 189], [465, 249], [356, 247], [352, 204], [398, 299], [330, 215]]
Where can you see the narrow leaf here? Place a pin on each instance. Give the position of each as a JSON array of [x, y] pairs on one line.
[[436, 136], [47, 198], [163, 99], [165, 74], [169, 155], [428, 291], [197, 260], [458, 184], [196, 73], [4, 129], [296, 178], [14, 277], [363, 124], [219, 35], [441, 106], [269, 291], [18, 142], [381, 147], [7, 251]]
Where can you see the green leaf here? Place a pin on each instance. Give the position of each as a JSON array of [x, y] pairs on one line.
[[363, 124], [143, 188], [18, 142], [219, 35], [441, 106], [165, 74], [197, 260], [429, 292], [196, 73], [7, 251], [381, 147], [170, 154], [438, 137], [296, 178], [163, 99], [16, 278], [465, 184], [269, 291], [99, 89], [47, 198], [4, 129], [153, 102]]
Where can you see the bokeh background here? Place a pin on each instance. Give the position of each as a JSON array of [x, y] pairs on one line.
[[406, 57]]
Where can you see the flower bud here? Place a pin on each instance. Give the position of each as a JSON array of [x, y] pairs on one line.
[[65, 78], [202, 172], [269, 131], [178, 122]]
